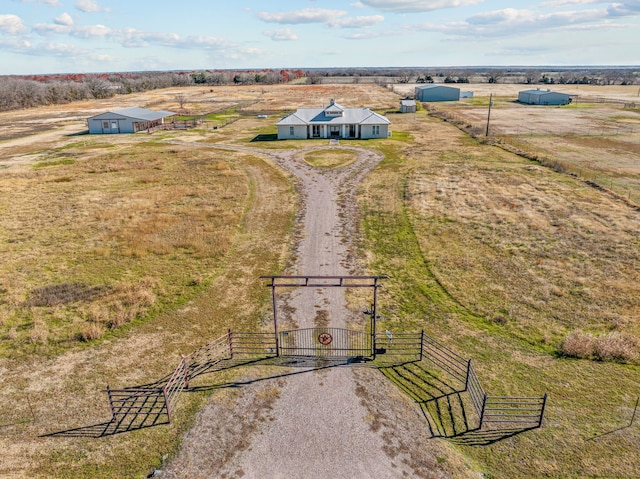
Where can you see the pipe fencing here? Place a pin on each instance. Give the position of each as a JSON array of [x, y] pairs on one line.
[[141, 406], [490, 409]]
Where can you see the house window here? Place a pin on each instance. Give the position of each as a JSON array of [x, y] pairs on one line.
[[376, 129], [105, 125], [316, 131], [291, 131]]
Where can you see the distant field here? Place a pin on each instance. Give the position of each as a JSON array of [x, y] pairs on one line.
[[495, 254]]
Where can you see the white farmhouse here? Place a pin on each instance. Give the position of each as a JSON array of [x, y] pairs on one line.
[[334, 121], [127, 120]]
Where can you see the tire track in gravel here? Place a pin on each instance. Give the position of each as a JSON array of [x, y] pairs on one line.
[[313, 421]]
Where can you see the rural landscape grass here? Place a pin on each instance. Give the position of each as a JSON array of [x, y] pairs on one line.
[[120, 253]]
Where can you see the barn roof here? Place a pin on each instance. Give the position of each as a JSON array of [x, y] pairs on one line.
[[539, 92], [135, 113], [431, 86]]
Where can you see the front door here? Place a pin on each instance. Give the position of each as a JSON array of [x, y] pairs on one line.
[[334, 131]]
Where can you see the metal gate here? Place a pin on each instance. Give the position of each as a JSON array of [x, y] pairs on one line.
[[325, 343]]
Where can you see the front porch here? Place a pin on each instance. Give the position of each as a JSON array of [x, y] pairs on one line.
[[348, 132]]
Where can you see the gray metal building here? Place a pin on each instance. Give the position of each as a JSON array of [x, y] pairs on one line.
[[543, 97], [437, 93], [407, 106], [127, 120]]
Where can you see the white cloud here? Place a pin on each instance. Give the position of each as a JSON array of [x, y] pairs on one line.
[[11, 24], [91, 31], [562, 3], [43, 49], [511, 21], [281, 35], [407, 6], [307, 15], [90, 6], [64, 19], [331, 18], [45, 29], [356, 22], [370, 35], [624, 9], [132, 38], [51, 3]]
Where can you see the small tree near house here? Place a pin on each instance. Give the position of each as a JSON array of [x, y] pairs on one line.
[[181, 98]]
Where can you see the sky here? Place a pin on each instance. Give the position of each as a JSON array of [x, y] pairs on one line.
[[91, 36]]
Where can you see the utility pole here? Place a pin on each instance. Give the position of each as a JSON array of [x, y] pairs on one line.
[[489, 114]]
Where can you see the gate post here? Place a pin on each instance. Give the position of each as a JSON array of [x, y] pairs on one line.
[[275, 316], [466, 382], [544, 405], [484, 405], [230, 341], [166, 402], [421, 344], [185, 370], [113, 412], [374, 316]]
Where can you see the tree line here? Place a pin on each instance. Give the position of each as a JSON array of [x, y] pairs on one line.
[[17, 92]]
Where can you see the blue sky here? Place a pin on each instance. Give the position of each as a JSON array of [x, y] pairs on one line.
[[74, 36]]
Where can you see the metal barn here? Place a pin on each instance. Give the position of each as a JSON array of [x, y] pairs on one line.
[[543, 97], [437, 93], [127, 120]]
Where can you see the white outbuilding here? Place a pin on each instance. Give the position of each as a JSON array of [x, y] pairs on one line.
[[407, 106], [127, 120]]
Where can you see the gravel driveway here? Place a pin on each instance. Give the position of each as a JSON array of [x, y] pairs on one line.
[[314, 420]]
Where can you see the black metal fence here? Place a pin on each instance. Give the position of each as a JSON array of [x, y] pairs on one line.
[[325, 343], [399, 345], [513, 410], [137, 407], [251, 344], [144, 406], [489, 409]]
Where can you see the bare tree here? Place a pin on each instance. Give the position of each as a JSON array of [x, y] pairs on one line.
[[181, 98], [493, 76], [314, 78]]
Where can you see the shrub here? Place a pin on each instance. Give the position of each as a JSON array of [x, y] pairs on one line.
[[616, 346], [579, 344], [92, 331]]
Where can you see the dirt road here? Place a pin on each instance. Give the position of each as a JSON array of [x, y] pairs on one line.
[[314, 421]]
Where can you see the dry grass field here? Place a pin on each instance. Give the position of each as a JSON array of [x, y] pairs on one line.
[[596, 137], [121, 252], [504, 259]]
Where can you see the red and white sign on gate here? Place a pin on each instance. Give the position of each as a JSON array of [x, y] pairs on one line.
[[325, 339]]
